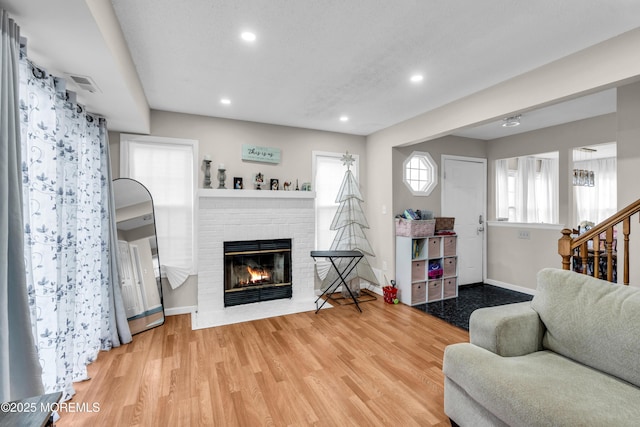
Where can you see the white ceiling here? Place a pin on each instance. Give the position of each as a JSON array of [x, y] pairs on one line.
[[314, 61], [580, 108]]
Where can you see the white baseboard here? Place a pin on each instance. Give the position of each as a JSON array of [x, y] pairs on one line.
[[375, 289], [174, 311], [510, 286], [364, 285]]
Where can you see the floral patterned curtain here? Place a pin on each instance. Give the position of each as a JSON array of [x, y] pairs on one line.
[[19, 368], [67, 215]]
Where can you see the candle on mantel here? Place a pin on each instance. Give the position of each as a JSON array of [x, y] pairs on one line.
[[207, 157], [221, 166]]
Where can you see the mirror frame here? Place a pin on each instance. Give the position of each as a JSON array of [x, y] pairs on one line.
[[142, 321]]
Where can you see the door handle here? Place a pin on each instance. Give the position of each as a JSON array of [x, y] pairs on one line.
[[480, 220]]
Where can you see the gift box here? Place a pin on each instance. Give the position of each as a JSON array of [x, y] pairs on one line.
[[444, 223]]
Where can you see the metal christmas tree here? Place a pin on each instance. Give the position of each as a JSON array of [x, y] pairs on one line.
[[349, 222]]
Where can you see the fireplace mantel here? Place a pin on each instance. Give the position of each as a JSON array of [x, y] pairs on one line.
[[253, 194], [237, 215]]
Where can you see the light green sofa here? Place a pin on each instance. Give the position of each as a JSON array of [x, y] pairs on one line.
[[570, 357]]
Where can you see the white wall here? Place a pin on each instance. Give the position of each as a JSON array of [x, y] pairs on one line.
[[562, 138], [614, 62], [628, 137], [629, 165], [609, 64], [450, 145], [515, 261], [223, 139]]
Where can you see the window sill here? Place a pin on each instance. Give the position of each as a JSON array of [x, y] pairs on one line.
[[534, 225]]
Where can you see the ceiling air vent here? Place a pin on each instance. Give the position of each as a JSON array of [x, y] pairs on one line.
[[85, 83]]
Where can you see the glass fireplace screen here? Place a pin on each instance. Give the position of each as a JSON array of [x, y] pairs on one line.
[[257, 270]]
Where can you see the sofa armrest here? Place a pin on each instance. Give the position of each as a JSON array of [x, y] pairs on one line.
[[507, 330]]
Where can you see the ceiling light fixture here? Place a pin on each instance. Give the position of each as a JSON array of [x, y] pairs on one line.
[[417, 78], [584, 158], [512, 121], [344, 118], [225, 101], [248, 36]]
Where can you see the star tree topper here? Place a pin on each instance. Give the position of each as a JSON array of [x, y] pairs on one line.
[[347, 160]]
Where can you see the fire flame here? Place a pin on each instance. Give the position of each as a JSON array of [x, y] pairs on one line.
[[258, 274]]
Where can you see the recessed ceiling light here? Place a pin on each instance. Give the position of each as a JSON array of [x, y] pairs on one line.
[[248, 36], [225, 101], [344, 118], [416, 78]]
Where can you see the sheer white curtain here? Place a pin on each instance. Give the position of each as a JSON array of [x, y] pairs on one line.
[[597, 203], [537, 190], [547, 183], [525, 190], [502, 188], [328, 175], [68, 214]]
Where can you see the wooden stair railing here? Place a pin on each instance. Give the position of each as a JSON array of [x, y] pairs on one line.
[[578, 247]]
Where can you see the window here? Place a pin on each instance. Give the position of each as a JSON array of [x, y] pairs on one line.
[[328, 173], [595, 201], [420, 173], [166, 166], [527, 188]]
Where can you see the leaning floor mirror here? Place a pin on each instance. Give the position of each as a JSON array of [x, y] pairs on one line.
[[138, 254]]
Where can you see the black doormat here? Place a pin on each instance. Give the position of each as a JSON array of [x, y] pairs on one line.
[[471, 297]]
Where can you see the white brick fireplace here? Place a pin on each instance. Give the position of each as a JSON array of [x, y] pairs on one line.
[[232, 215]]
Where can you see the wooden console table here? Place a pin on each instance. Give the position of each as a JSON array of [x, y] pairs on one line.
[[353, 257]]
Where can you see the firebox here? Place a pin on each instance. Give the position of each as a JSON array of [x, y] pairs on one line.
[[256, 270]]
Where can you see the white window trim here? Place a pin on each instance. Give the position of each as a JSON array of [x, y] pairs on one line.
[[125, 139], [433, 175]]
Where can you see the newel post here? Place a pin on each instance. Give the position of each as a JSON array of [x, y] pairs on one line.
[[564, 248]]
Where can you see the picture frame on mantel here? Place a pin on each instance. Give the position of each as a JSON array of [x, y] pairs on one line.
[[254, 153]]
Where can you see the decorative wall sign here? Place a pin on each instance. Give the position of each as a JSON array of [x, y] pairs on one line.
[[260, 154]]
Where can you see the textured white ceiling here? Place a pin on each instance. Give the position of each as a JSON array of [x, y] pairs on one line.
[[313, 60]]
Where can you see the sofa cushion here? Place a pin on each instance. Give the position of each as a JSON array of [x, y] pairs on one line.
[[541, 388], [592, 321]]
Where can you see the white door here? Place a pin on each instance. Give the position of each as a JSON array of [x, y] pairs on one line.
[[464, 195], [139, 274], [129, 285]]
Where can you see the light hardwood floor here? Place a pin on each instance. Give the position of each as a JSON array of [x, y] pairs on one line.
[[337, 367]]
